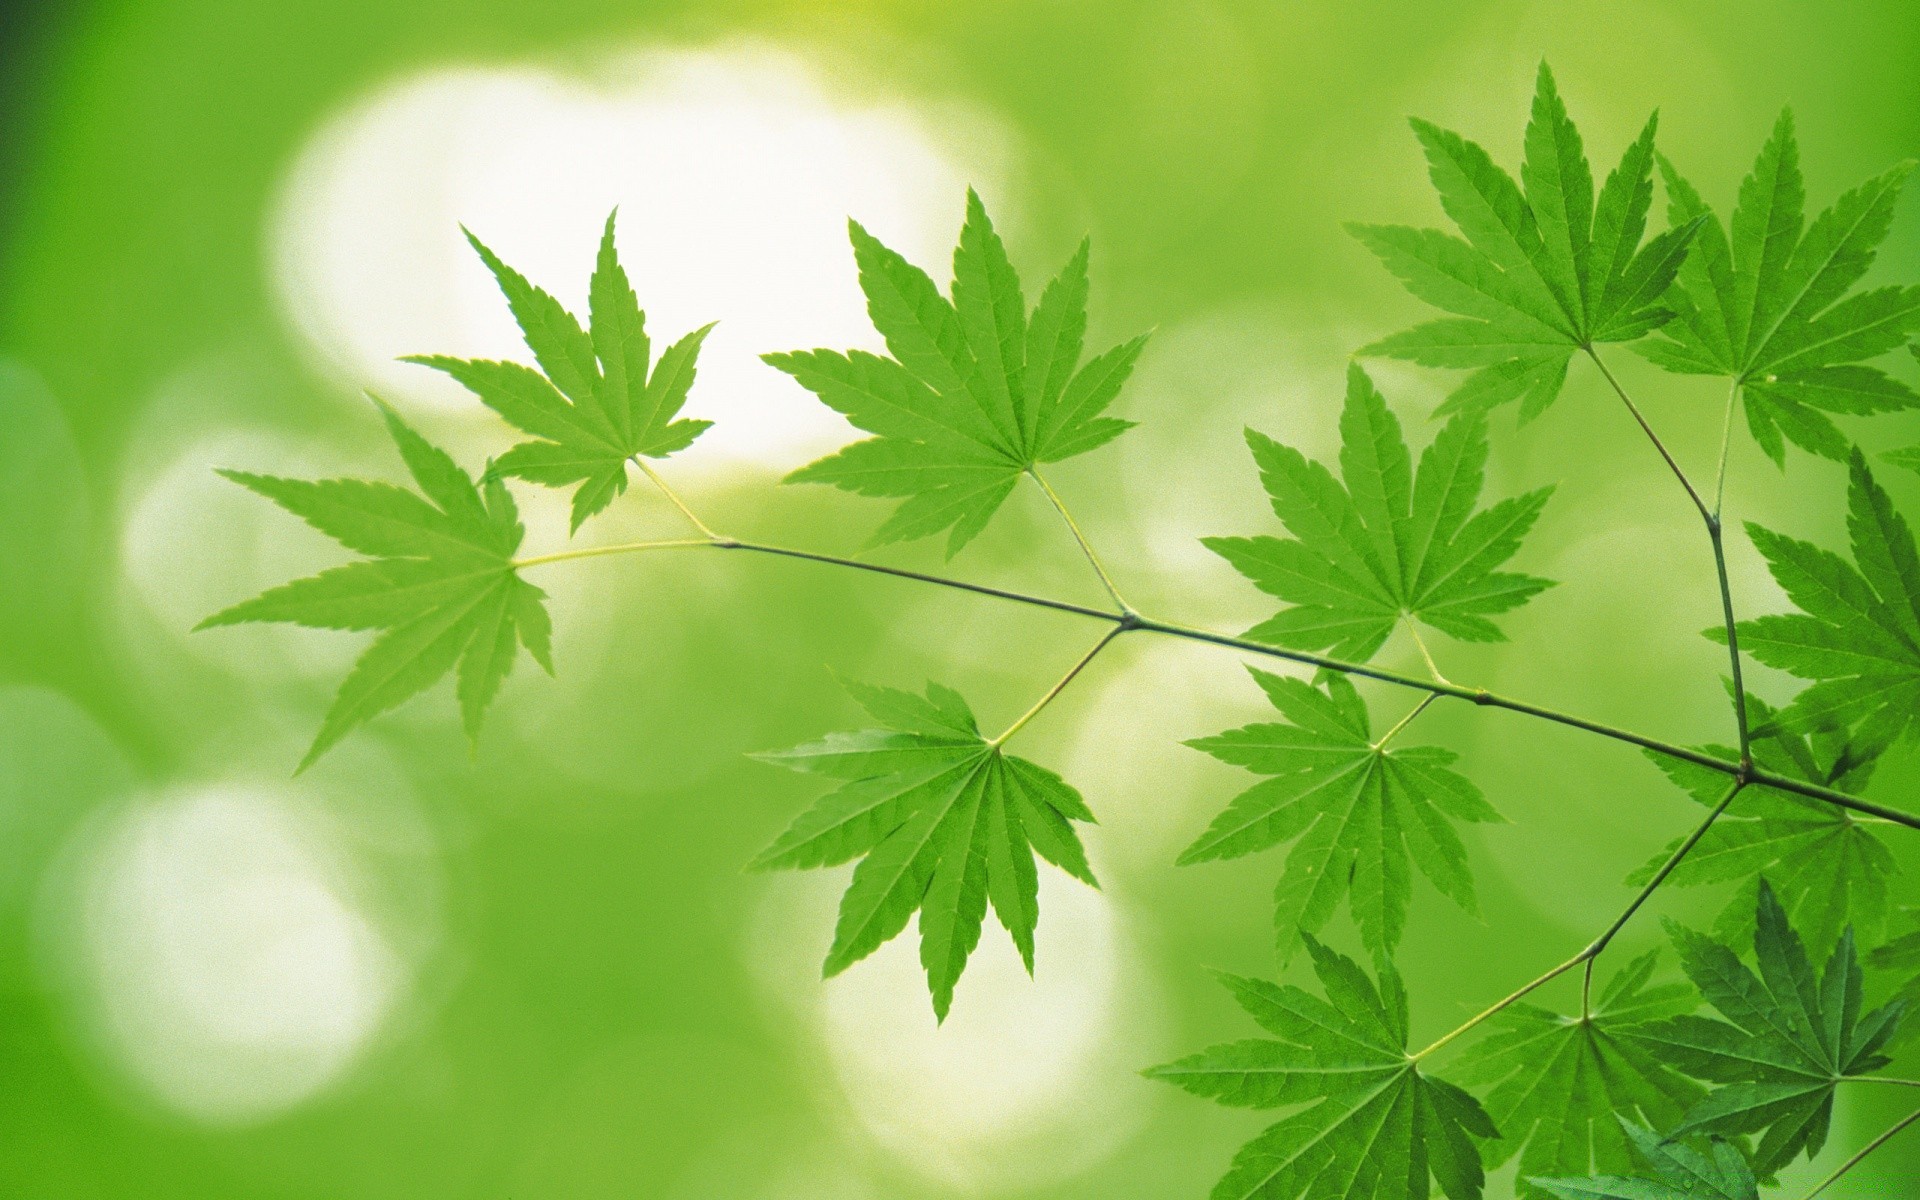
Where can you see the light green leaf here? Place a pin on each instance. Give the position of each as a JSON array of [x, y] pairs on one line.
[[1769, 307], [1546, 267], [943, 824], [1388, 543], [1357, 814], [596, 404], [1860, 637], [977, 391], [440, 584]]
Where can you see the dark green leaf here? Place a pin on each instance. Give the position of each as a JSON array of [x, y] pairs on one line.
[[1376, 1127], [1683, 1173], [1560, 1082], [1789, 1036]]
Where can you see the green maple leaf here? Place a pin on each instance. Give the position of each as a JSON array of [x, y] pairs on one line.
[[1388, 543], [1559, 1082], [1827, 867], [1769, 306], [1789, 1037], [597, 403], [1858, 630], [1355, 812], [1901, 957], [439, 581], [1683, 1174], [943, 823], [1376, 1127], [1546, 267], [977, 391]]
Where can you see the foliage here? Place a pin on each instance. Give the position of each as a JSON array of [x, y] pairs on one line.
[[1388, 542], [1788, 1039], [1684, 1174], [1377, 1126], [1545, 269], [977, 393], [1558, 1082], [1771, 307], [1358, 810], [1826, 867], [1858, 631], [942, 823], [439, 581], [600, 403]]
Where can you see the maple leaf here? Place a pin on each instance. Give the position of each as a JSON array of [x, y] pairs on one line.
[[1390, 541], [1789, 1038], [1546, 267], [977, 392], [1559, 1082], [597, 403], [1376, 1126], [1355, 812], [439, 581], [1826, 866], [1858, 630], [1683, 1174], [943, 823], [1901, 957], [1769, 307]]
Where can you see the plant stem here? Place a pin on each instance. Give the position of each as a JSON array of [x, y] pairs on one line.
[[1685, 848], [1086, 547], [1726, 446], [1711, 516], [1705, 513], [1426, 654], [1405, 721], [678, 503], [1054, 691], [1509, 1001], [622, 548], [1478, 696], [1869, 1148]]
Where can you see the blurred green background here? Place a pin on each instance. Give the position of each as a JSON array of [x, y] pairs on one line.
[[541, 973]]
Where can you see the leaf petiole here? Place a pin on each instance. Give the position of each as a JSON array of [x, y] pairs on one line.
[[1086, 547], [1053, 692]]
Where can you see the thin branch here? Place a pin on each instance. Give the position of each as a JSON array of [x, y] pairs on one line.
[[1053, 692], [1685, 848], [1478, 696], [1711, 516], [1086, 547], [1869, 1148]]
